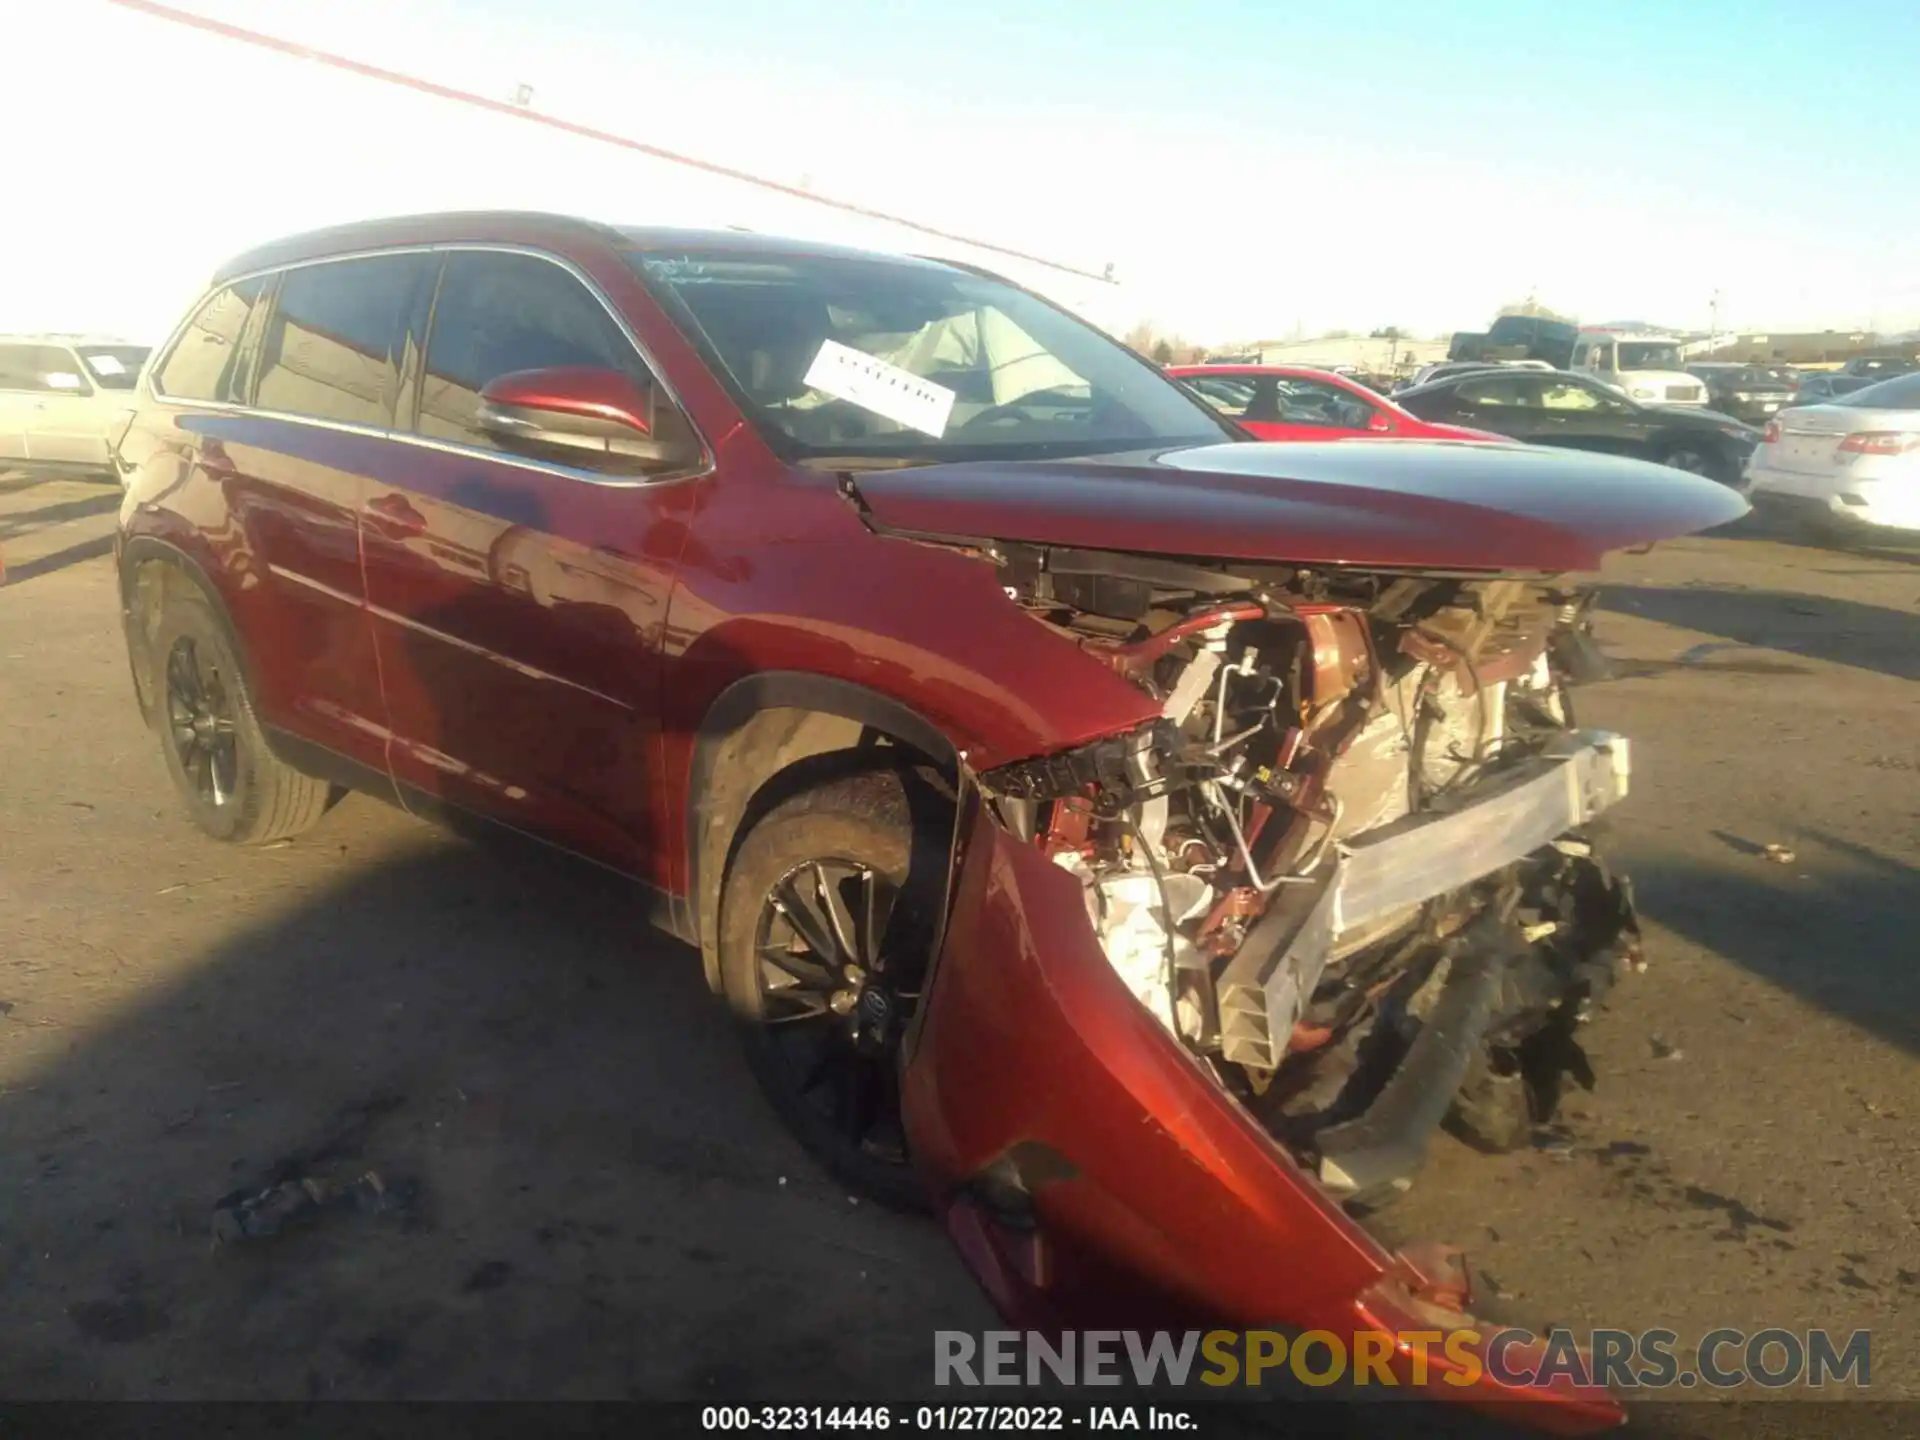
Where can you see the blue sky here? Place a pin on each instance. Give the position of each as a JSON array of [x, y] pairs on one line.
[[1626, 158], [1255, 168]]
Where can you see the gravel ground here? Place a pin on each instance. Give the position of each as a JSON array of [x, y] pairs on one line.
[[587, 1199]]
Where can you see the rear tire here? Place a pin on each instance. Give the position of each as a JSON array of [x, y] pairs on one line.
[[842, 887], [1698, 460], [234, 787]]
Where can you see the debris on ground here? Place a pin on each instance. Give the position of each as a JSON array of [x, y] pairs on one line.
[[262, 1214], [1779, 854], [1662, 1050]]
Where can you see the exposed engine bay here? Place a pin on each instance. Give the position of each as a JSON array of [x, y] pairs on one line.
[[1351, 865]]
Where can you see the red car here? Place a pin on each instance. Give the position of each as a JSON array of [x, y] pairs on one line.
[[1288, 402], [1064, 794]]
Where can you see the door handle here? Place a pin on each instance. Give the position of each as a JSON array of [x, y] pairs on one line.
[[396, 514]]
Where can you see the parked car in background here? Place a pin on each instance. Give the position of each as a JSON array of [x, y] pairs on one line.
[[1532, 337], [1847, 466], [1880, 367], [1645, 368], [1444, 368], [1287, 402], [1754, 393], [1002, 729], [1817, 387], [1583, 413], [63, 400], [1466, 345]]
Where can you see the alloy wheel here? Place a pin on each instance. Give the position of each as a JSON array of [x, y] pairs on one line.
[[835, 999], [200, 723], [1691, 461]]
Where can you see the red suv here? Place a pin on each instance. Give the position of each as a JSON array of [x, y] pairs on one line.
[[1128, 840]]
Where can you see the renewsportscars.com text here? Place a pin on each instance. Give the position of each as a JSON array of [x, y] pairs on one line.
[[1622, 1359]]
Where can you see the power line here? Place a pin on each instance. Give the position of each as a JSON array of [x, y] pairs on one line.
[[587, 132]]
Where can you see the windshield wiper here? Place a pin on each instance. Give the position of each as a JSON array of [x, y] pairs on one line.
[[854, 463]]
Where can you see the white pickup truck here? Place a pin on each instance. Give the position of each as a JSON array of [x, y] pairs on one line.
[[1647, 368]]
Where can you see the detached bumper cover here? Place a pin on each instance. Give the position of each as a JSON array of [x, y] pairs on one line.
[[1394, 869], [1095, 1176]]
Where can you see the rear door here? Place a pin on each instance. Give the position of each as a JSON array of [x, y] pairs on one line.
[[317, 351], [1507, 402], [518, 604], [1584, 415]]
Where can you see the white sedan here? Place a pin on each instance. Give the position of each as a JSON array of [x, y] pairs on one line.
[[1849, 465]]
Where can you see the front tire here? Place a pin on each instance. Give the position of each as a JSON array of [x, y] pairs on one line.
[[827, 926], [234, 787]]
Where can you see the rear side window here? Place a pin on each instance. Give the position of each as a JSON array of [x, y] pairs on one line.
[[497, 313], [204, 361], [114, 367], [331, 349]]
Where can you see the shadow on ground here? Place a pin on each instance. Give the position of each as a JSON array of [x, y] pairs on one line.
[[1764, 523], [589, 1197], [1846, 632], [58, 560], [1833, 926], [23, 522]]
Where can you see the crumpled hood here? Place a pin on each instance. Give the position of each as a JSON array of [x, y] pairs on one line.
[[1437, 505]]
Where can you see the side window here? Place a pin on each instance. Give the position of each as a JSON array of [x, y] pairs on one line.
[[1230, 395], [1314, 402], [203, 364], [497, 313], [1567, 395], [1505, 391], [43, 369], [331, 348]]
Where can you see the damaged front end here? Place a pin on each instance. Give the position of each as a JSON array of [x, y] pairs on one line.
[[1349, 882], [1352, 864]]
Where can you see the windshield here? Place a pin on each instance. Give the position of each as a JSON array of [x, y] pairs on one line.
[[1900, 394], [114, 367], [842, 358], [1648, 355]]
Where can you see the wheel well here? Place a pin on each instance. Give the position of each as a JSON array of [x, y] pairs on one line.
[[770, 737], [150, 572]]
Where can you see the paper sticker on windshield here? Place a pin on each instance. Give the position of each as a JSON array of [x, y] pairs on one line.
[[105, 365], [885, 389]]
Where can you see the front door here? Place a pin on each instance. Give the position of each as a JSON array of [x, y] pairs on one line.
[[517, 603], [1505, 402]]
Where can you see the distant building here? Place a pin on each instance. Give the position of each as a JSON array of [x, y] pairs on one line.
[[1360, 352], [1821, 347]]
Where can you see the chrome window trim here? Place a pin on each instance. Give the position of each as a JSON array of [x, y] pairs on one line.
[[149, 388]]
